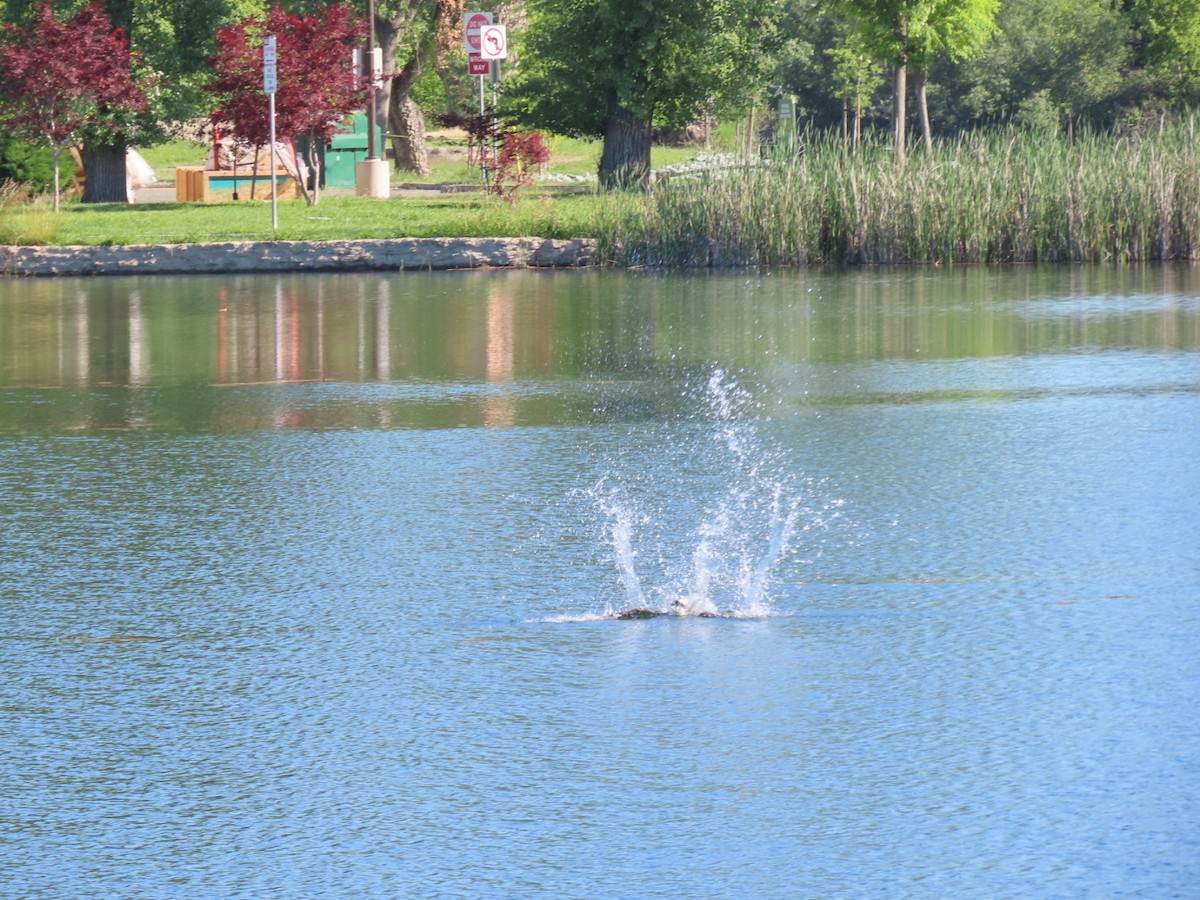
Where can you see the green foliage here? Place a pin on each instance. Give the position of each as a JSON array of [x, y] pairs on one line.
[[22, 221], [429, 93], [1172, 32], [804, 66], [663, 62], [988, 197], [25, 163], [339, 218], [1048, 63], [915, 31], [856, 75]]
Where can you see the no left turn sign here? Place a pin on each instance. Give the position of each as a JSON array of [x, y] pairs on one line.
[[493, 42]]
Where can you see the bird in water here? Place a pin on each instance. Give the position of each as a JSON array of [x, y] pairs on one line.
[[699, 607]]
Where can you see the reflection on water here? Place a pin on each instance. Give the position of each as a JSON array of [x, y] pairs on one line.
[[486, 338], [302, 584]]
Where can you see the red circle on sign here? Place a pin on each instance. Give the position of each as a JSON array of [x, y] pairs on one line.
[[474, 25]]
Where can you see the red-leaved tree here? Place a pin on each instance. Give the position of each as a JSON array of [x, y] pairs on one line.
[[316, 83], [58, 76]]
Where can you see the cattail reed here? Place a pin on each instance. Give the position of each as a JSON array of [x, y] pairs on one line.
[[987, 197]]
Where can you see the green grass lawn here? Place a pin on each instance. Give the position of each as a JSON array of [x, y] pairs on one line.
[[334, 218], [447, 159], [163, 158], [539, 210]]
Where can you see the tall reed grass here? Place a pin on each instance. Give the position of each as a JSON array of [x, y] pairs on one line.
[[987, 197]]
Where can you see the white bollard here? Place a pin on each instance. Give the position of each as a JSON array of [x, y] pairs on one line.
[[371, 178]]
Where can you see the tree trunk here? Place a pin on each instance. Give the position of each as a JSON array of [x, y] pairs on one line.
[[55, 152], [388, 34], [923, 106], [900, 110], [462, 90], [625, 159], [406, 123], [858, 120], [104, 172], [311, 197]]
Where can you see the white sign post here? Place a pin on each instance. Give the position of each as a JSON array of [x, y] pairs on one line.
[[493, 46], [269, 85], [473, 25]]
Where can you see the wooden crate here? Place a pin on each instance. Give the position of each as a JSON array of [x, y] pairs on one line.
[[194, 184]]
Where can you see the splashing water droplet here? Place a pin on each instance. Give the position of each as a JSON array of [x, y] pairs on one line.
[[745, 523], [621, 534]]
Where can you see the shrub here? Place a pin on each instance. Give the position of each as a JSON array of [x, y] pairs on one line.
[[25, 163]]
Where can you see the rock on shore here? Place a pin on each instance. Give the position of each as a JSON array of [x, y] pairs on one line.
[[420, 254]]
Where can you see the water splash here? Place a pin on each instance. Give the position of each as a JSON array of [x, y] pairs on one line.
[[620, 534], [708, 546]]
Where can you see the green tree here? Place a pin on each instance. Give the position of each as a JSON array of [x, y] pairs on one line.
[[1171, 29], [413, 35], [809, 63], [856, 78], [1070, 59], [613, 68], [910, 33]]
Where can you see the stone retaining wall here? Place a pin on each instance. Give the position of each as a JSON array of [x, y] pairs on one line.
[[422, 254]]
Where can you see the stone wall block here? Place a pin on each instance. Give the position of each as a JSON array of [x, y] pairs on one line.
[[401, 254]]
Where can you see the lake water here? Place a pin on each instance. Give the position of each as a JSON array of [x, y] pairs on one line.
[[303, 585]]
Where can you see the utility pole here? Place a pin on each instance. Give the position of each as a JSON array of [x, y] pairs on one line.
[[371, 174]]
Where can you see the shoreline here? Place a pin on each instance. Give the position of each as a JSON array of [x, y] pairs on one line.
[[366, 255]]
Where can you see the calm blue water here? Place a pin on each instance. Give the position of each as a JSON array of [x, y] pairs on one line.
[[303, 585]]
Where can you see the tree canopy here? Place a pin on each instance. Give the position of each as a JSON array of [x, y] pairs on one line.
[[1172, 33], [316, 86], [612, 68], [60, 76], [904, 33]]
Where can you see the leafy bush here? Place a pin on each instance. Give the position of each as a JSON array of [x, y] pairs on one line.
[[25, 163]]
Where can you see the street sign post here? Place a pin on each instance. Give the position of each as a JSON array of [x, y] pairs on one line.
[[269, 74], [269, 85], [485, 43]]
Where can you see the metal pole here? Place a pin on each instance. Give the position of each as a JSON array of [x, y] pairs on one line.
[[269, 79], [274, 191], [494, 70], [369, 67], [483, 160]]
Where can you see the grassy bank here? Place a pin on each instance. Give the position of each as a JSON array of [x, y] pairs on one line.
[[999, 196], [544, 209], [334, 218], [991, 197]]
